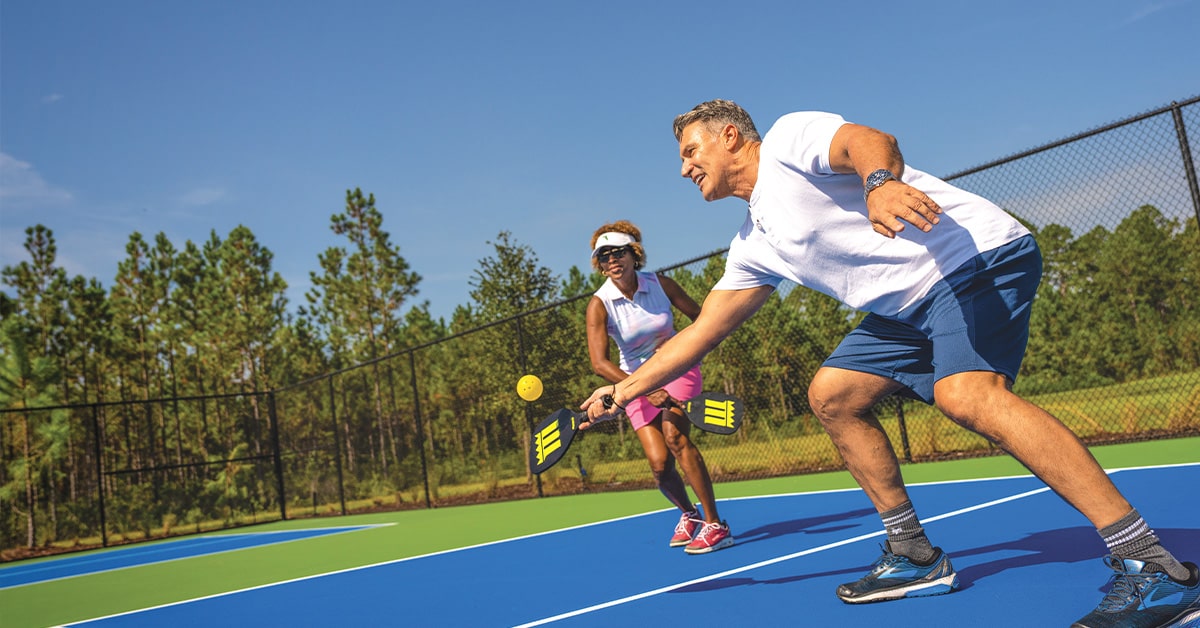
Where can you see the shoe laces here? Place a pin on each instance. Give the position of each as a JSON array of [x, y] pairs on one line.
[[885, 562], [708, 527], [1127, 586], [684, 520]]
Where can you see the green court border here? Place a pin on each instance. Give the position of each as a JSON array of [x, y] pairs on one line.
[[419, 532]]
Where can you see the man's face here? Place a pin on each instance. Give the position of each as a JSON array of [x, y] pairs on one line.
[[705, 160]]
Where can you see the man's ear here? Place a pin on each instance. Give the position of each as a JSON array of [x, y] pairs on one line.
[[730, 137]]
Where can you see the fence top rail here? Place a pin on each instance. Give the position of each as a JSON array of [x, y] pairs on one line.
[[1075, 138], [127, 402], [133, 402], [465, 332]]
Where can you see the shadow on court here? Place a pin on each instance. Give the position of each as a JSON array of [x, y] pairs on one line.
[[807, 525], [729, 583], [1063, 545]]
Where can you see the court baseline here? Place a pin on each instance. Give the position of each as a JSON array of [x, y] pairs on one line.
[[132, 556]]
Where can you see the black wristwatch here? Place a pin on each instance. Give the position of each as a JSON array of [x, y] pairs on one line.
[[876, 179]]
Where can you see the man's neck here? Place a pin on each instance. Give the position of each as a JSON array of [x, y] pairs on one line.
[[747, 171]]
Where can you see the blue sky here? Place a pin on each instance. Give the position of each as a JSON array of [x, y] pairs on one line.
[[542, 118]]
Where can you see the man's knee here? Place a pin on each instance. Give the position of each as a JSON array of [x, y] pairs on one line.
[[835, 394], [967, 398], [980, 402], [824, 400]]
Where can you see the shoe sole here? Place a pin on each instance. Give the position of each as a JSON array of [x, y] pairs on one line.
[[722, 544], [679, 543], [1190, 620], [941, 586]]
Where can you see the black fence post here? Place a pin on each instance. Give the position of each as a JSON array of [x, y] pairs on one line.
[[99, 451], [903, 430], [337, 446], [1188, 167], [277, 454], [537, 478], [412, 367]]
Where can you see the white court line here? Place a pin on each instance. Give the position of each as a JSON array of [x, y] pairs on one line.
[[940, 482], [347, 570], [163, 545], [597, 523], [764, 563], [814, 550]]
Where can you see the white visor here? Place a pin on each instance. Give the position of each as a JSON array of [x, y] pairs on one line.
[[611, 239]]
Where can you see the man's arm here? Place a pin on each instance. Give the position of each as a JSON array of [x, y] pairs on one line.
[[723, 312], [861, 150]]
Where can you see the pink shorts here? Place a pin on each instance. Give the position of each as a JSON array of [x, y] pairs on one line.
[[641, 412]]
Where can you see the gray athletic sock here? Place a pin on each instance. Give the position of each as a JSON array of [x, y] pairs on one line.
[[1131, 537], [906, 537]]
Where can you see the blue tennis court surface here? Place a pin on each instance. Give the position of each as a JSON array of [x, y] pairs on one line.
[[138, 555], [1023, 556]]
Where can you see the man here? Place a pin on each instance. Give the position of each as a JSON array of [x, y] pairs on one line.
[[948, 319]]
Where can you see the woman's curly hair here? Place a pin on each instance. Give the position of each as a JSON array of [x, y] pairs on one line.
[[622, 226]]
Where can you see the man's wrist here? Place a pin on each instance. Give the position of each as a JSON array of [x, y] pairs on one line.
[[876, 179], [610, 400]]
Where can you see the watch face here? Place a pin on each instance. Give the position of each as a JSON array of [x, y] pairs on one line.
[[876, 179]]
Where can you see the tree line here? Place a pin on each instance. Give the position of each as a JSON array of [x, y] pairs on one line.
[[210, 320]]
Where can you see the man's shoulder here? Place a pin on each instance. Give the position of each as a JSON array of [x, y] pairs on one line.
[[797, 121], [801, 140]]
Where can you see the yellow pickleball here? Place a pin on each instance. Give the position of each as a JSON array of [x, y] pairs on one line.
[[529, 387]]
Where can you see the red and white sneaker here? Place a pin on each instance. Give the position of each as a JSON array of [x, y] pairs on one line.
[[689, 522], [712, 537]]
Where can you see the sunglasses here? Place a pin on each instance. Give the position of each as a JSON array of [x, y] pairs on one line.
[[616, 253]]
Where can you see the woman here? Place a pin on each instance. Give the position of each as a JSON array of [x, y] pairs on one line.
[[634, 308]]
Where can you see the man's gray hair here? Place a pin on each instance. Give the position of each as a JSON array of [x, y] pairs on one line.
[[715, 114]]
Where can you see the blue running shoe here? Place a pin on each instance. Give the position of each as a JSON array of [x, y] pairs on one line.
[[895, 576], [1143, 596]]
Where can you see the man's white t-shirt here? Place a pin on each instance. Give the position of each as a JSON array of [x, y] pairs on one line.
[[809, 225]]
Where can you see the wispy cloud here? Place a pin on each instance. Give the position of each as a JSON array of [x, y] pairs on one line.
[[1150, 8], [50, 99], [199, 197], [21, 186]]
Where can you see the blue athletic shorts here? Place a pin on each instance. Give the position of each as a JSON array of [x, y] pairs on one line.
[[975, 319]]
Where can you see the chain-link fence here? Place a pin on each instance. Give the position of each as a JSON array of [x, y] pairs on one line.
[[135, 470], [1114, 353]]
